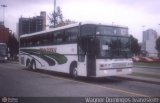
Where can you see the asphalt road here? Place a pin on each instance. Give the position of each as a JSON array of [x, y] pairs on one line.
[[15, 81]]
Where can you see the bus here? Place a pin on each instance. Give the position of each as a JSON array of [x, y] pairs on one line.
[[81, 49], [3, 52]]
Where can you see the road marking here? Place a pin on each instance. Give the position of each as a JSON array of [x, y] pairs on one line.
[[104, 87]]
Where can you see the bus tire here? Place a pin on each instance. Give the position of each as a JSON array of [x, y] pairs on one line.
[[73, 70], [33, 65], [28, 64]]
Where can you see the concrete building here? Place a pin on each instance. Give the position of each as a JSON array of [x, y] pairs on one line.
[[4, 34], [31, 25], [149, 39]]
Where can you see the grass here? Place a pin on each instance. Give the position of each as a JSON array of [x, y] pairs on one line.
[[147, 64], [146, 75]]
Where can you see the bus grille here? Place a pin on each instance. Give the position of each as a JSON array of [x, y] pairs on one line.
[[118, 65]]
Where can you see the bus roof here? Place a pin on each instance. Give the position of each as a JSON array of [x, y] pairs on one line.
[[68, 26]]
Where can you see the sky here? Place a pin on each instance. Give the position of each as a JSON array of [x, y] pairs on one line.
[[137, 15]]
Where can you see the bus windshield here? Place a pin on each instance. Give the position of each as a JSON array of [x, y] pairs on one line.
[[114, 47], [3, 49]]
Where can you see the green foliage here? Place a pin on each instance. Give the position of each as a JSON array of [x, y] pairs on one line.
[[13, 46], [135, 48], [56, 17], [158, 46]]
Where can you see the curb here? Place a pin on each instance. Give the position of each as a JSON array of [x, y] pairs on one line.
[[149, 67], [15, 62], [139, 80]]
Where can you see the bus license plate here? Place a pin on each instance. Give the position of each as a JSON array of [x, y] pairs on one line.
[[119, 70]]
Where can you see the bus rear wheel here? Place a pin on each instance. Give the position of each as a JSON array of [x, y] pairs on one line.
[[28, 64], [33, 65]]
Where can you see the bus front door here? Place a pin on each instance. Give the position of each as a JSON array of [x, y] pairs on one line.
[[91, 58], [87, 48]]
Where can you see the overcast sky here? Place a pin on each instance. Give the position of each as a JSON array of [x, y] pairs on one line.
[[138, 15]]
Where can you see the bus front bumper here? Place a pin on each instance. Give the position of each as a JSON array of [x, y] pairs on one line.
[[113, 72], [3, 58]]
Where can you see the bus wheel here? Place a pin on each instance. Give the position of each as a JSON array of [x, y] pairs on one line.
[[28, 64], [33, 65], [74, 72]]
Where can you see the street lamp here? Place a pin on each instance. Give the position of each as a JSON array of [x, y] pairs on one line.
[[3, 6], [158, 30]]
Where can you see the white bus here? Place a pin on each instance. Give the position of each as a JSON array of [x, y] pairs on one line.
[[82, 49], [3, 52]]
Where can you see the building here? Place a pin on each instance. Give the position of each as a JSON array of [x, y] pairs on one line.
[[31, 25], [1, 23], [4, 34], [149, 42]]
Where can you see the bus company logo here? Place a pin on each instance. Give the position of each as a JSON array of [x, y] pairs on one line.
[[48, 50], [4, 100]]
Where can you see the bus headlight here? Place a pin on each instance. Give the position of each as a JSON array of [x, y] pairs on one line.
[[5, 58]]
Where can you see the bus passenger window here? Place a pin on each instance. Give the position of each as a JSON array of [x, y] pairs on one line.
[[71, 34], [73, 37], [59, 36]]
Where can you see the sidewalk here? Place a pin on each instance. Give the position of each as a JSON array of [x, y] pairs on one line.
[[140, 79], [13, 61], [142, 66], [143, 75]]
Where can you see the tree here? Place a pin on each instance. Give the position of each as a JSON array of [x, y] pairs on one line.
[[158, 46], [13, 46], [135, 48], [68, 21], [56, 18]]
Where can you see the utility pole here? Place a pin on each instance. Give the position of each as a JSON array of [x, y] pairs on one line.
[[159, 25], [3, 6], [54, 12]]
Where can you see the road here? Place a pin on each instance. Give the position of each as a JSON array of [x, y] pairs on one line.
[[15, 81]]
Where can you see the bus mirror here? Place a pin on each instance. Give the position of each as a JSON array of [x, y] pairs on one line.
[[97, 33], [105, 47]]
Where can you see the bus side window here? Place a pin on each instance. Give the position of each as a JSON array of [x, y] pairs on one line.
[[37, 40], [71, 34], [53, 38], [82, 49], [45, 39], [40, 39], [27, 41], [22, 42], [50, 38], [34, 39], [67, 32], [58, 37]]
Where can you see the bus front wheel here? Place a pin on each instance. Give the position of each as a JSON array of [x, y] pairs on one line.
[[73, 71]]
